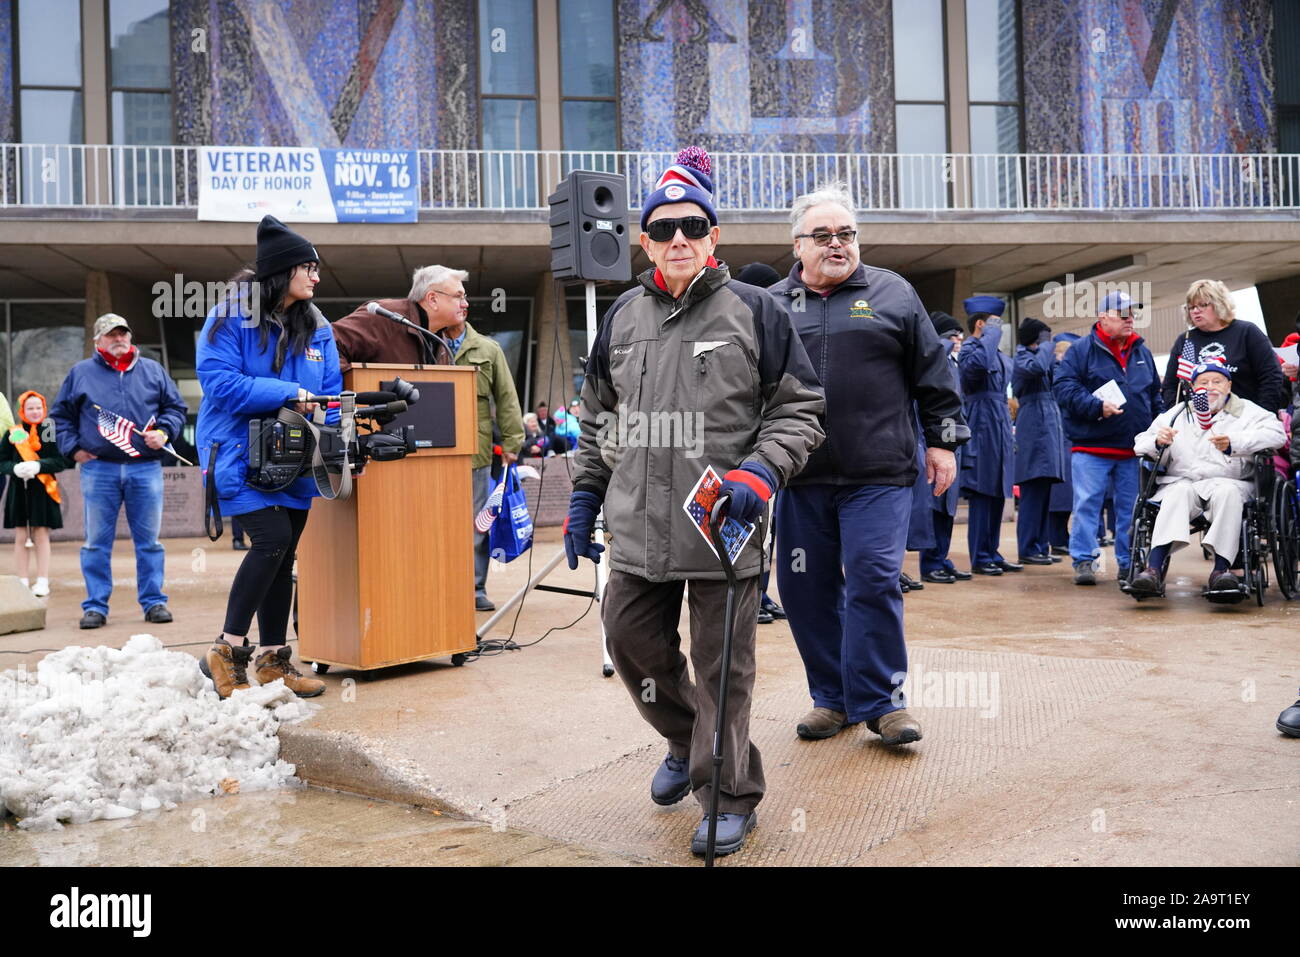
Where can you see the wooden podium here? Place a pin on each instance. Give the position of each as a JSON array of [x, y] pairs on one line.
[[387, 576]]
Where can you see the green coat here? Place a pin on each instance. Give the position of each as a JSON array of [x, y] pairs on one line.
[[495, 386], [27, 502]]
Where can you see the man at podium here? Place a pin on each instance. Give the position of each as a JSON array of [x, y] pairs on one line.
[[366, 337]]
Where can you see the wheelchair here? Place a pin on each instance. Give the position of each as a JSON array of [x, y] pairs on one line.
[[1260, 538], [1286, 547]]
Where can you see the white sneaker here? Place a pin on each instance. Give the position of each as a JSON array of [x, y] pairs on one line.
[[30, 544], [42, 588], [27, 582]]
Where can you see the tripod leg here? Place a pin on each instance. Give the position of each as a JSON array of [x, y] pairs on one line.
[[602, 575]]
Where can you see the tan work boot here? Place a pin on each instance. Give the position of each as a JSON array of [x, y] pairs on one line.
[[821, 723], [271, 665], [896, 727], [227, 666]]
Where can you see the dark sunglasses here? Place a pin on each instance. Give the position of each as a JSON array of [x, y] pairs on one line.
[[692, 227], [823, 237]]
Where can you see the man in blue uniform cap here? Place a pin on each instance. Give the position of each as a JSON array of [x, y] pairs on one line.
[[987, 459]]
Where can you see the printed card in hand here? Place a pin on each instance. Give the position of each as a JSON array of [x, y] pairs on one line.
[[699, 505]]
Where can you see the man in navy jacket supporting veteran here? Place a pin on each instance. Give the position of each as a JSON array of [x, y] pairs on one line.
[[98, 403], [1101, 433], [841, 523]]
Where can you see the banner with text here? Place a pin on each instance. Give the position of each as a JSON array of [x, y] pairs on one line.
[[307, 185]]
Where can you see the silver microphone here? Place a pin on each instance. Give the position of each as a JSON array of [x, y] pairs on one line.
[[375, 309]]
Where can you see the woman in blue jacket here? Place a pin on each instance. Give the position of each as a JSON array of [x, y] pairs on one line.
[[256, 354]]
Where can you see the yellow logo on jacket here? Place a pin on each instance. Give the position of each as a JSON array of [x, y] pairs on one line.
[[861, 310]]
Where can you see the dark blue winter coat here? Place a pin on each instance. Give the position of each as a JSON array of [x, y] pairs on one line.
[[1038, 422], [1089, 365], [985, 374], [949, 500], [240, 385], [143, 391]]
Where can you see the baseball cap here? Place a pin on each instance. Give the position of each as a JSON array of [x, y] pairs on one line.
[[107, 323], [1117, 302]]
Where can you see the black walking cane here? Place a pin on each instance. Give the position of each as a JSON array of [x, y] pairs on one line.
[[716, 518]]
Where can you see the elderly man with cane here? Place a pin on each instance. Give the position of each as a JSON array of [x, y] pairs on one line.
[[688, 344]]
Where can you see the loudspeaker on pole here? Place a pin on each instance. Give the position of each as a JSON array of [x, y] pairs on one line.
[[589, 235]]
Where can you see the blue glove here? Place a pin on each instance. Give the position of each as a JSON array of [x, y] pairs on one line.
[[749, 486], [583, 508]]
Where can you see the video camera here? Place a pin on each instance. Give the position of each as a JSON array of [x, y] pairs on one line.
[[283, 448]]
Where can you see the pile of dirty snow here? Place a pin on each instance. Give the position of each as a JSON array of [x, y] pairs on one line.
[[103, 733]]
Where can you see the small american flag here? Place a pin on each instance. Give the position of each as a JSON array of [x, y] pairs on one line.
[[1201, 405], [483, 521], [1187, 361], [118, 431]]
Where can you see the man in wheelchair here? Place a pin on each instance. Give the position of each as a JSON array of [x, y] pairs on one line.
[[1206, 445]]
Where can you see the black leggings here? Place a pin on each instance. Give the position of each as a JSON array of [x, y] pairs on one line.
[[264, 582]]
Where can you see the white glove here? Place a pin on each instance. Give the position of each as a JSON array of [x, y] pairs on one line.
[[27, 470]]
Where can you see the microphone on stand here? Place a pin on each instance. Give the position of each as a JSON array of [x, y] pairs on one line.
[[375, 309]]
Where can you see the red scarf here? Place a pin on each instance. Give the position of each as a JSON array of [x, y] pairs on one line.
[[119, 363], [659, 277], [1120, 350]]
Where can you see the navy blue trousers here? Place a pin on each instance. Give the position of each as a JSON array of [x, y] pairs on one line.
[[1058, 529], [985, 527], [839, 555], [936, 558], [1032, 529]]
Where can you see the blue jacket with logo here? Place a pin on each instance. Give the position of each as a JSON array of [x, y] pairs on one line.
[[143, 391], [1089, 365], [239, 386]]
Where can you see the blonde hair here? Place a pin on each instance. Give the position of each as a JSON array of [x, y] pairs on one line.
[[1213, 293]]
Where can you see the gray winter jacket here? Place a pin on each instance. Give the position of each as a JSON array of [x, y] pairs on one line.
[[717, 377]]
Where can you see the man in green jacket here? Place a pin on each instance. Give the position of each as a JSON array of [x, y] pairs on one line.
[[496, 389]]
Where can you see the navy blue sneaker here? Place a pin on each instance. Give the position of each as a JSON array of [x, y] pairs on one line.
[[732, 830], [672, 781]]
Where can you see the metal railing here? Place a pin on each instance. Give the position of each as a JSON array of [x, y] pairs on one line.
[[166, 178]]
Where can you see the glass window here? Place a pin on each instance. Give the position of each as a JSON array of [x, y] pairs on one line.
[[141, 44], [509, 124], [587, 47], [992, 64], [51, 116], [141, 119], [507, 47], [590, 125], [922, 128], [49, 43], [918, 50], [995, 129]]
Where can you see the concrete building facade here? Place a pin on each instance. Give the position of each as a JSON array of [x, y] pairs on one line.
[[1002, 146]]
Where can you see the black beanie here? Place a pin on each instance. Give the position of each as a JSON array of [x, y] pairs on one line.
[[279, 248], [1030, 330], [944, 324], [759, 274]]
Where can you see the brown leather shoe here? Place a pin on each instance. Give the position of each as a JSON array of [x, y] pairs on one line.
[[227, 666], [896, 727], [821, 723], [271, 665]]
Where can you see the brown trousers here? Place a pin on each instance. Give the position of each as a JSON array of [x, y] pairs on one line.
[[641, 619]]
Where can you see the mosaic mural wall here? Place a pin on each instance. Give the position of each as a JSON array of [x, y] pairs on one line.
[[363, 73], [1149, 76], [6, 72], [757, 75]]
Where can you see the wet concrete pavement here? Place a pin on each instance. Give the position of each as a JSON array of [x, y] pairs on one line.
[[1063, 725]]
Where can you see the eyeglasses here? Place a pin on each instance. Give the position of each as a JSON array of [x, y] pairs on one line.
[[1197, 305], [459, 298], [692, 227], [311, 269], [823, 238]]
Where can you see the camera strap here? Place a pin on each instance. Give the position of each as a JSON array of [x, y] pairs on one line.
[[211, 505], [326, 484]]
